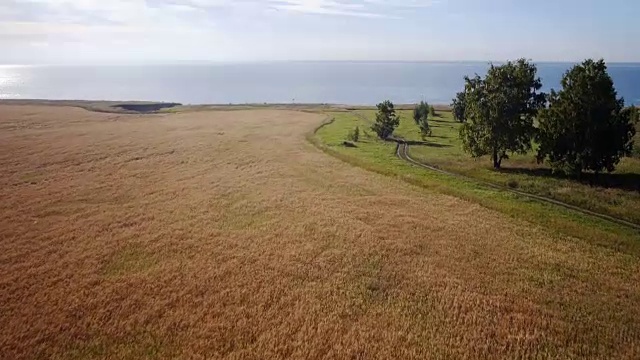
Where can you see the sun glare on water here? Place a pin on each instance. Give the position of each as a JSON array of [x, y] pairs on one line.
[[10, 78]]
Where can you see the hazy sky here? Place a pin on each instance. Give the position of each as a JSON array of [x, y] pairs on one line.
[[165, 31]]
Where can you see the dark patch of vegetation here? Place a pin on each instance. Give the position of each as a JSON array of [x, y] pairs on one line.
[[349, 144], [426, 143], [146, 108]]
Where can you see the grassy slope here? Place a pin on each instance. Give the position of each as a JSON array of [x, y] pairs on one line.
[[522, 171], [380, 156]]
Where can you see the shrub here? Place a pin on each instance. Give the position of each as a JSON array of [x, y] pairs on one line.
[[354, 135], [513, 184], [420, 112], [421, 118]]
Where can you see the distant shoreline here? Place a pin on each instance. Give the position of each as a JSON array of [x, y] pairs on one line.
[[226, 63], [275, 83], [158, 107]]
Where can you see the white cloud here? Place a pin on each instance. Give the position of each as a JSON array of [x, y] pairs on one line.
[[88, 17], [326, 7], [125, 11], [186, 29], [361, 8], [74, 20]]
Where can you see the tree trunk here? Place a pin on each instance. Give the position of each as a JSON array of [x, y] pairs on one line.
[[496, 159]]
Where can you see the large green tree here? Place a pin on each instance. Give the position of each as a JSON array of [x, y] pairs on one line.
[[386, 120], [586, 126], [499, 110]]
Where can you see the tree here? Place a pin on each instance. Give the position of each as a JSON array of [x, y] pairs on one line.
[[421, 117], [635, 117], [586, 126], [634, 113], [386, 120], [432, 111], [354, 135], [499, 111], [457, 106], [420, 111]]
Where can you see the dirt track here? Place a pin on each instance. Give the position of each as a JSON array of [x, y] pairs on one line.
[[227, 235], [402, 152]]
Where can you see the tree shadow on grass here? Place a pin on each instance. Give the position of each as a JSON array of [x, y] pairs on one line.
[[439, 137], [427, 143], [623, 181]]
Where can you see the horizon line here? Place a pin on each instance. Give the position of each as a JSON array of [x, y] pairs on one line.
[[235, 62]]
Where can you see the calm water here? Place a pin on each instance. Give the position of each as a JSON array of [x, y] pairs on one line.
[[302, 82]]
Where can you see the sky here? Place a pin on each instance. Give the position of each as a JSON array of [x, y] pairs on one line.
[[176, 31]]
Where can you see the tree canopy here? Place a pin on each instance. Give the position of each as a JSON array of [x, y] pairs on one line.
[[386, 120], [586, 126], [499, 110]]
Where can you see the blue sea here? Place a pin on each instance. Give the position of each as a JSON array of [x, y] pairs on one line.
[[357, 83]]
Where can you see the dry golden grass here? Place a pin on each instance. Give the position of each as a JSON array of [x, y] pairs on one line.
[[226, 235]]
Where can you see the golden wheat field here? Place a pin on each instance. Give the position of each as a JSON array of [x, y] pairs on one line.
[[226, 235]]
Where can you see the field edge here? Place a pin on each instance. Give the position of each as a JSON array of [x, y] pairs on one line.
[[557, 221]]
